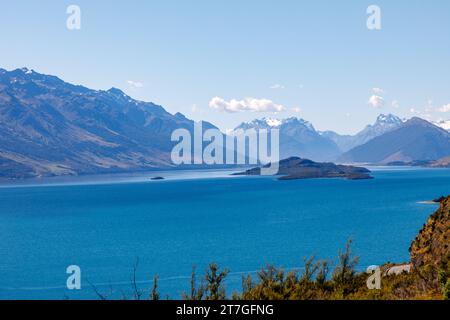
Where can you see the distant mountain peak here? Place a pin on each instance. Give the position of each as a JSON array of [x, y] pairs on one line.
[[298, 137], [298, 120], [416, 121], [21, 71], [414, 140], [389, 118], [269, 123], [383, 124], [420, 121], [116, 91], [26, 70], [272, 122], [179, 115]]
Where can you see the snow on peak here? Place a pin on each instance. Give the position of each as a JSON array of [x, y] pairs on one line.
[[268, 123], [26, 70], [272, 122], [300, 121], [444, 124], [389, 119]]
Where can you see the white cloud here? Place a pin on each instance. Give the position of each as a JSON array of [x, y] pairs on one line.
[[378, 91], [135, 84], [277, 86], [194, 108], [297, 109], [376, 101], [445, 108], [247, 104], [395, 104]]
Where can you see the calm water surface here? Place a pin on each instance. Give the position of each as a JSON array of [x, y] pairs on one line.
[[241, 223]]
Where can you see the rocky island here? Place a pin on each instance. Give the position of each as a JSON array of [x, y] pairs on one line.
[[298, 168]]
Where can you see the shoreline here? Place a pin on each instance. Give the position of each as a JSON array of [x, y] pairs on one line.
[[146, 177], [119, 178]]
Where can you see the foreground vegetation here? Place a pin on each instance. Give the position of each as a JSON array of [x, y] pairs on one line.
[[317, 282]]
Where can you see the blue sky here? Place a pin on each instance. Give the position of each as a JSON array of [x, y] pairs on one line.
[[315, 59]]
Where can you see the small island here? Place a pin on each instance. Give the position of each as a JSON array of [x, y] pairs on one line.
[[157, 178], [297, 168]]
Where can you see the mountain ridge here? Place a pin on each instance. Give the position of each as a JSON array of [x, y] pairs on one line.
[[415, 140], [382, 125], [298, 137], [51, 127]]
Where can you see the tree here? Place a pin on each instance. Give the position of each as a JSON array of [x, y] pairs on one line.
[[215, 289], [154, 294], [196, 293], [136, 291], [344, 273]]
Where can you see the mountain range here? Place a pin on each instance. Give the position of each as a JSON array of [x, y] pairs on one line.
[[384, 124], [51, 127], [297, 138], [414, 140]]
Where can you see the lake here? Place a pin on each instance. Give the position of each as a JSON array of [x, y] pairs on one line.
[[242, 223]]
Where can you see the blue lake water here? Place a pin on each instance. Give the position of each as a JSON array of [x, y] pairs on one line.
[[242, 223]]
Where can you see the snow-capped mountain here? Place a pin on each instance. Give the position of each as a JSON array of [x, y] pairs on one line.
[[383, 124], [415, 140], [297, 138], [269, 123], [51, 127]]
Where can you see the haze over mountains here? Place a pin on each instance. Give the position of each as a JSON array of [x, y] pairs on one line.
[[415, 140], [297, 138], [50, 127], [384, 124]]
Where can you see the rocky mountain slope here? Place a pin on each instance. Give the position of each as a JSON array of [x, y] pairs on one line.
[[414, 140], [432, 245], [297, 138], [383, 124], [50, 127]]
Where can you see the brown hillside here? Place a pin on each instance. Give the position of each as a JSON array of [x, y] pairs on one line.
[[432, 245]]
